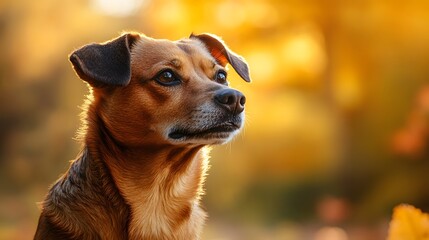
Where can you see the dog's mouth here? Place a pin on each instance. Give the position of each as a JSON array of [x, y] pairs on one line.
[[219, 131]]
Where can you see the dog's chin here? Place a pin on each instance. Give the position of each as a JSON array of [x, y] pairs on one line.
[[218, 134]]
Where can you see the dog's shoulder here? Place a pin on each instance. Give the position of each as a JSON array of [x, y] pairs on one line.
[[83, 200]]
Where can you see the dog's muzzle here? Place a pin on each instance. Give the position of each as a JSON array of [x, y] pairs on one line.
[[215, 122]]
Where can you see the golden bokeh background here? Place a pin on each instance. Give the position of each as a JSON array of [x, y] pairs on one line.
[[337, 114]]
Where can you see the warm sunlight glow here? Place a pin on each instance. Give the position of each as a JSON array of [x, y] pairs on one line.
[[263, 14], [264, 65], [336, 126], [172, 13], [230, 14], [347, 89], [117, 8], [305, 53]]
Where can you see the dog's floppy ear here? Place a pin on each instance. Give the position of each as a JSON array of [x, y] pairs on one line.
[[223, 54], [105, 64]]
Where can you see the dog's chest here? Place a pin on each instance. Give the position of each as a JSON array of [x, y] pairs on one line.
[[169, 208], [154, 223]]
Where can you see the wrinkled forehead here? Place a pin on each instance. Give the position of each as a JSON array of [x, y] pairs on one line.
[[194, 47], [148, 52]]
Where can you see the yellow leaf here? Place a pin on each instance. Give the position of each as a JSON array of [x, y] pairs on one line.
[[409, 223]]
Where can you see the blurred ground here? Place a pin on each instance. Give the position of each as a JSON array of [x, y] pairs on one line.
[[337, 114]]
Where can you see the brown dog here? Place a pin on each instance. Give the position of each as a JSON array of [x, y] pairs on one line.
[[153, 107]]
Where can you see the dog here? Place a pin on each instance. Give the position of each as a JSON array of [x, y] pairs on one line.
[[154, 106]]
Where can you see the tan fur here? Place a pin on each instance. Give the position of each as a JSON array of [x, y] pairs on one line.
[[147, 183], [176, 173]]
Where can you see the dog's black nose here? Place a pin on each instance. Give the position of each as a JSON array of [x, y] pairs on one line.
[[231, 99]]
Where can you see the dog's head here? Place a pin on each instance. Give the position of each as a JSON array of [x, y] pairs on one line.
[[150, 91]]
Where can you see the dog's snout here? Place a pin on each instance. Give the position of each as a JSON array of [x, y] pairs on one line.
[[231, 99]]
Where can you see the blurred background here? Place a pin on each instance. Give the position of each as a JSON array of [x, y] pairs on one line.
[[336, 121]]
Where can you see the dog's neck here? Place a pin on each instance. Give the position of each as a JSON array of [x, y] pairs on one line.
[[162, 184]]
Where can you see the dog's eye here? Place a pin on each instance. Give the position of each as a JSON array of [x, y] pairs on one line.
[[221, 77], [167, 78]]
